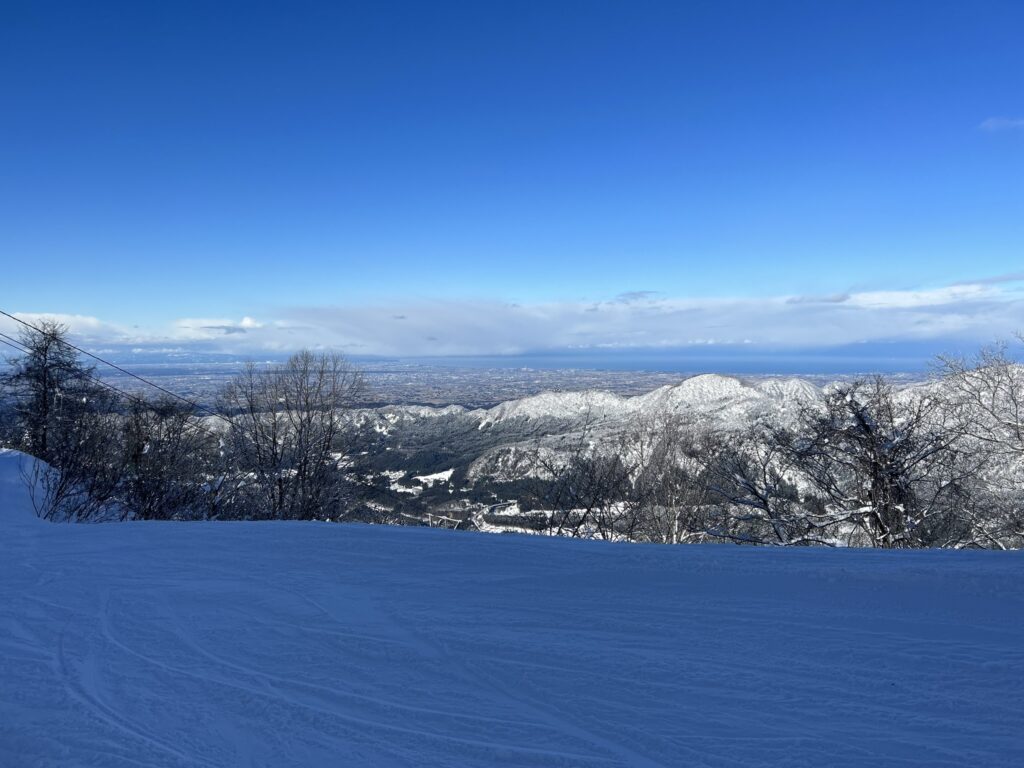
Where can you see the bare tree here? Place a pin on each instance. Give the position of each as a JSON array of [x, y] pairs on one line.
[[987, 394], [286, 444], [668, 496], [640, 483], [889, 468], [756, 497], [582, 485], [989, 390], [168, 457]]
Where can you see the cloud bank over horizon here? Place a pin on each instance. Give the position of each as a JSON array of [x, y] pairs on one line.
[[980, 311]]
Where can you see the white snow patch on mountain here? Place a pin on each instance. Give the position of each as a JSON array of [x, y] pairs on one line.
[[559, 405], [437, 477]]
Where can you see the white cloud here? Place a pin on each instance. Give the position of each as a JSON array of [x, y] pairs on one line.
[[981, 310], [936, 297], [1003, 124], [84, 327], [976, 311]]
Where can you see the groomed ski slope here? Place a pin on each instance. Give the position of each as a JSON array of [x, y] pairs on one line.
[[255, 644]]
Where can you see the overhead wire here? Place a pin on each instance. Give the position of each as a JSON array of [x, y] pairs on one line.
[[15, 344], [126, 372]]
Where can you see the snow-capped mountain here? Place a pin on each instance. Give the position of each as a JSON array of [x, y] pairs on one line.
[[487, 443], [724, 398]]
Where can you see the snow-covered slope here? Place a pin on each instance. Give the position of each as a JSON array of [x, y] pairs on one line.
[[559, 405], [259, 644], [721, 401], [722, 397], [16, 508]]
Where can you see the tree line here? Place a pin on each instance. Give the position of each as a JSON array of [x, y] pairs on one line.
[[273, 448], [939, 464]]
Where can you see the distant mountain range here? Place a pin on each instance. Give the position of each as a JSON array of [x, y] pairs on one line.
[[711, 395]]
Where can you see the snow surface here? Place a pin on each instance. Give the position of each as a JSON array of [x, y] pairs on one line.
[[437, 477], [313, 644]]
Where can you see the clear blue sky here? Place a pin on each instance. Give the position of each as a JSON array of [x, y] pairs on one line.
[[282, 160]]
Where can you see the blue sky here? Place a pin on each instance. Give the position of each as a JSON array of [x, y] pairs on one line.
[[498, 178]]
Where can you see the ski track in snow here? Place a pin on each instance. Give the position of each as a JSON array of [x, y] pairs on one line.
[[256, 644]]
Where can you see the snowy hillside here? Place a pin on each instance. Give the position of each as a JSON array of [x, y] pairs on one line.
[[291, 644], [723, 398]]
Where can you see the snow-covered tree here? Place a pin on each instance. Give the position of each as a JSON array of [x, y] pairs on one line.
[[890, 466]]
